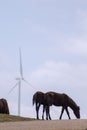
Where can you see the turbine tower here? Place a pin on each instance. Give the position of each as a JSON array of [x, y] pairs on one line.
[[20, 79]]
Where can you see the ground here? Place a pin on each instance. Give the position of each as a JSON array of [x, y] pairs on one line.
[[45, 125]]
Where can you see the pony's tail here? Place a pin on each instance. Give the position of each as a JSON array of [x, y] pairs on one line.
[[33, 100]]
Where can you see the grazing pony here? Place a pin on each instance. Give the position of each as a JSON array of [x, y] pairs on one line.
[[38, 100], [57, 99], [4, 106]]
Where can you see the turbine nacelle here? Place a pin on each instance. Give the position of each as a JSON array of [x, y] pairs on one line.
[[20, 78]]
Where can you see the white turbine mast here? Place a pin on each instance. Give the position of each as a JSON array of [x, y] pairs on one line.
[[19, 81]]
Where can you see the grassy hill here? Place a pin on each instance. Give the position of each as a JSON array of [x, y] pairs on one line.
[[8, 118]]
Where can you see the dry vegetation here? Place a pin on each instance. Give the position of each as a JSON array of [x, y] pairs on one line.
[[11, 118]]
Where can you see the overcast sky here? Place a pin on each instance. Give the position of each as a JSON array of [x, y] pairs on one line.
[[52, 35]]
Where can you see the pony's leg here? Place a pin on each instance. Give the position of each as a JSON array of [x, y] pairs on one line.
[[37, 110], [50, 117], [61, 113], [47, 109], [49, 114], [44, 108], [68, 113]]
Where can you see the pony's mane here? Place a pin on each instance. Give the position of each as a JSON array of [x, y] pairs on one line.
[[72, 103]]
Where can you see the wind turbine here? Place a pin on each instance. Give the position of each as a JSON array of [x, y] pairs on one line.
[[20, 79]]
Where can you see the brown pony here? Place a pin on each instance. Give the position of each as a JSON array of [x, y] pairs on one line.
[[4, 106], [57, 99], [38, 99]]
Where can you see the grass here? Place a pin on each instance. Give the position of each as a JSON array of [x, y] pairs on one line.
[[12, 118]]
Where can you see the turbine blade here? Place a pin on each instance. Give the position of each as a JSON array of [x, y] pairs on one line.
[[13, 88], [21, 70], [29, 83]]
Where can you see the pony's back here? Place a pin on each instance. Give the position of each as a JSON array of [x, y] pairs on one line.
[[5, 104], [5, 108]]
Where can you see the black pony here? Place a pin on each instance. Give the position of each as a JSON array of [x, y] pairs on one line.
[[39, 99], [57, 99], [4, 106]]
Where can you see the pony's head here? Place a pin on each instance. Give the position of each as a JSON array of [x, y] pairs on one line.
[[77, 112]]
